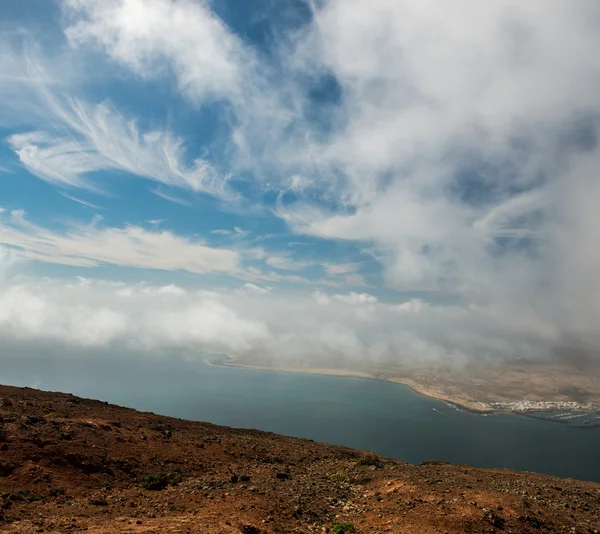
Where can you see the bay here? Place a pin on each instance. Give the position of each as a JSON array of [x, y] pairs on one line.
[[382, 417]]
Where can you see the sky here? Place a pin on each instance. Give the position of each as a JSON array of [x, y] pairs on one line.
[[306, 180]]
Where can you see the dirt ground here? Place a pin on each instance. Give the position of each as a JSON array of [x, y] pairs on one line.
[[74, 465]]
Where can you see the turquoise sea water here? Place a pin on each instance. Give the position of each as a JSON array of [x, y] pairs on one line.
[[386, 418]]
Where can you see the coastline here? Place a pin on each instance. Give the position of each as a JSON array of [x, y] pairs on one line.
[[419, 389], [455, 400]]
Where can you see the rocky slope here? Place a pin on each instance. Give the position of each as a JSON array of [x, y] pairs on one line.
[[74, 465]]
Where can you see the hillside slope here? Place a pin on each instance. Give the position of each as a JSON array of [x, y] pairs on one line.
[[72, 465]]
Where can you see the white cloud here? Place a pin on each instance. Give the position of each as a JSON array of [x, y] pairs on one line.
[[168, 290], [20, 77], [64, 139], [463, 150], [24, 314], [8, 260], [98, 314], [129, 246], [148, 36], [236, 233], [56, 160], [467, 142], [255, 274], [356, 298], [355, 280], [253, 288], [102, 139], [170, 197], [185, 41], [315, 328], [82, 202], [282, 262], [341, 268], [410, 306], [287, 263]]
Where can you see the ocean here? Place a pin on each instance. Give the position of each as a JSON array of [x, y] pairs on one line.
[[386, 418]]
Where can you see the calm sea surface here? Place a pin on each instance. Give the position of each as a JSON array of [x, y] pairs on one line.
[[366, 414]]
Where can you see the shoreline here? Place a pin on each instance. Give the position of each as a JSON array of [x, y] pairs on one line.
[[479, 408], [458, 403]]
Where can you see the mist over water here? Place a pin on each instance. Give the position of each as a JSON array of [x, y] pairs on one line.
[[382, 417]]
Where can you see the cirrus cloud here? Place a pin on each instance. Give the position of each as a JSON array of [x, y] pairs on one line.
[[130, 246]]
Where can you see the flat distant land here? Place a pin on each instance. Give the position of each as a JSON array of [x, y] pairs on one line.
[[510, 386], [69, 464]]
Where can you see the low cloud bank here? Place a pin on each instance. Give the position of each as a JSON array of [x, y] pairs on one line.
[[314, 328]]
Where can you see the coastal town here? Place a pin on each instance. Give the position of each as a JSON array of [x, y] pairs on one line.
[[545, 406]]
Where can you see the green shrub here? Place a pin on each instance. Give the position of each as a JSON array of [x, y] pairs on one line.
[[155, 482], [343, 528], [339, 477], [165, 430], [369, 460], [23, 495], [176, 477], [28, 495], [159, 481]]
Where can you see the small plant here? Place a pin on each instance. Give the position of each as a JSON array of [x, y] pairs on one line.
[[175, 477], [343, 527], [165, 430], [339, 477], [155, 482], [23, 495], [369, 460], [27, 495], [159, 481]]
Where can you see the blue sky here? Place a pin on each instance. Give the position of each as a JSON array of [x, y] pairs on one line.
[[377, 157], [77, 173]]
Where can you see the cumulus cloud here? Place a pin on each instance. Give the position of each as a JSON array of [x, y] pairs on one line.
[[97, 314], [313, 328], [149, 36], [253, 288], [130, 246], [468, 134]]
